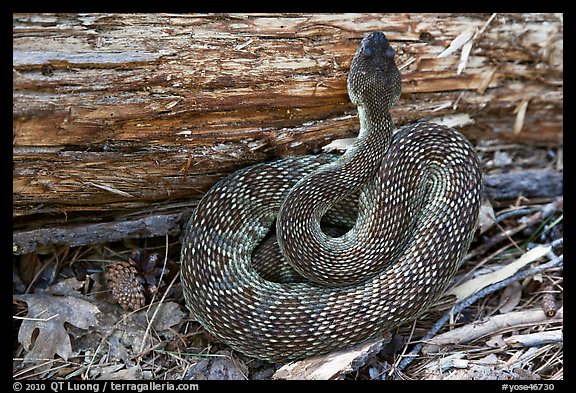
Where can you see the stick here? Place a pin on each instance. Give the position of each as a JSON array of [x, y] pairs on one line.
[[555, 262]]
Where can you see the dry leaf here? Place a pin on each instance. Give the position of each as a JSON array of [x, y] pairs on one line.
[[339, 145], [464, 57], [459, 41], [225, 366], [43, 334], [168, 315], [66, 287], [510, 297], [457, 120], [114, 373], [496, 342], [443, 364], [482, 369], [486, 218], [502, 159], [220, 366], [133, 331], [520, 116]]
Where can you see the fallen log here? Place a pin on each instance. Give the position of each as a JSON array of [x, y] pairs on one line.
[[116, 114], [171, 221]]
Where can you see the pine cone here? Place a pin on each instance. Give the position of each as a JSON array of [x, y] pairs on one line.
[[122, 280]]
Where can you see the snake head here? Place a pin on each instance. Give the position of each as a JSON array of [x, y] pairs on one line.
[[374, 78]]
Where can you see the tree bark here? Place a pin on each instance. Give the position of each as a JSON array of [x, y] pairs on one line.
[[128, 115]]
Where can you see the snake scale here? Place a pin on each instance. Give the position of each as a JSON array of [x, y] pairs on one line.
[[415, 197]]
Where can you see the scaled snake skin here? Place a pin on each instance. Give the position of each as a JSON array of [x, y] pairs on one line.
[[412, 198]]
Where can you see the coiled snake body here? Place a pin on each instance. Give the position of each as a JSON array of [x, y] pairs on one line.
[[417, 197]]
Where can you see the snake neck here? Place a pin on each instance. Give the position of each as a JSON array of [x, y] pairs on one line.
[[358, 164], [364, 156]]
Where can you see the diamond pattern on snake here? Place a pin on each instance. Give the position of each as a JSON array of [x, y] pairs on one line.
[[306, 255]]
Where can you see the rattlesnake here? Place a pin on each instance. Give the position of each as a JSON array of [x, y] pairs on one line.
[[417, 197]]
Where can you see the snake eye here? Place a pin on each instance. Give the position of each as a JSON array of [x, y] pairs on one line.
[[390, 52]]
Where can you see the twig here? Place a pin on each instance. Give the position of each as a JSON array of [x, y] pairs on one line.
[[544, 211], [154, 298], [108, 334], [518, 212], [489, 326], [40, 369], [555, 262], [557, 243], [481, 31], [36, 319]]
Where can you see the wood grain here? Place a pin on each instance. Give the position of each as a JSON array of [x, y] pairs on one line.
[[117, 113]]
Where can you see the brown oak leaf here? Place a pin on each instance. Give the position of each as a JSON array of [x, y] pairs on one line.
[[43, 333]]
